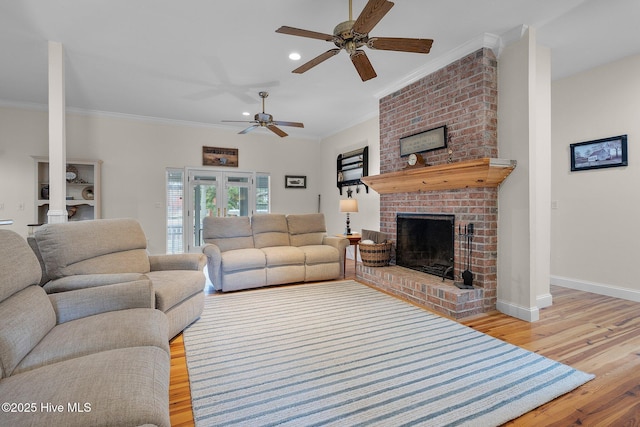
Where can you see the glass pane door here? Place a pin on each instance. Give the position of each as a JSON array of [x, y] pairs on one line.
[[212, 193], [204, 201], [237, 194]]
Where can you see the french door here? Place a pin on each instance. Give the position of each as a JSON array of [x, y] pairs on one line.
[[213, 193]]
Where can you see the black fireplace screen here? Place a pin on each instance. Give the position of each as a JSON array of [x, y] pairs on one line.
[[425, 242]]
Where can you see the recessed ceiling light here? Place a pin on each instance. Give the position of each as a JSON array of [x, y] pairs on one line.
[[294, 56], [246, 113]]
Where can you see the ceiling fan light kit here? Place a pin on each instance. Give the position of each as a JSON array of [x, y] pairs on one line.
[[352, 35]]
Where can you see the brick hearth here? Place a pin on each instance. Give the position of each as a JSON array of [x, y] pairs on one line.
[[424, 290]]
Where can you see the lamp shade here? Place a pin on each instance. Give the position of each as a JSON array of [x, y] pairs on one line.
[[349, 205]]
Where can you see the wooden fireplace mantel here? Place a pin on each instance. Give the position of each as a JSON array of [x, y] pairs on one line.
[[484, 172]]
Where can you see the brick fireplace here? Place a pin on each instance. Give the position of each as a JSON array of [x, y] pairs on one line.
[[462, 96]]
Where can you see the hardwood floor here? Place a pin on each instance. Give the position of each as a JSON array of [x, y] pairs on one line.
[[593, 333]]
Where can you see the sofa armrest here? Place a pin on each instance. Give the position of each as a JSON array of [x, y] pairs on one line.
[[177, 262], [83, 281], [214, 263], [340, 243], [87, 302]]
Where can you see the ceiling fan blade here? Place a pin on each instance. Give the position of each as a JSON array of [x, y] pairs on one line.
[[277, 130], [304, 33], [294, 124], [400, 44], [372, 13], [249, 129], [363, 65], [315, 61]]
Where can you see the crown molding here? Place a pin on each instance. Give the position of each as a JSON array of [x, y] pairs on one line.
[[123, 116]]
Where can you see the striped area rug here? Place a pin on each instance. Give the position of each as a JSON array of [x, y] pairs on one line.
[[343, 354]]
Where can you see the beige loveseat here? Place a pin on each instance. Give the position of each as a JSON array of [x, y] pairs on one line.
[[270, 249], [95, 356], [82, 254]]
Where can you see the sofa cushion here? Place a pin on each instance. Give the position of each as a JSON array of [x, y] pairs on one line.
[[86, 302], [93, 247], [283, 255], [243, 259], [320, 254], [83, 281], [228, 233], [34, 247], [270, 230], [19, 265], [306, 229], [93, 334], [25, 318], [174, 286], [124, 387]]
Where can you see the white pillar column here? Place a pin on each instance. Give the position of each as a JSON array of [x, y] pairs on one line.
[[57, 136]]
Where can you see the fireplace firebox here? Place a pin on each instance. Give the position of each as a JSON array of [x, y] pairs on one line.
[[425, 242]]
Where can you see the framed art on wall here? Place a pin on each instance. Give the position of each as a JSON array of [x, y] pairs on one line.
[[291, 181], [218, 156], [599, 153], [428, 140]]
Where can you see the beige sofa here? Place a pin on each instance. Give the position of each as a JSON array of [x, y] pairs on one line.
[[94, 356], [82, 254], [270, 249]]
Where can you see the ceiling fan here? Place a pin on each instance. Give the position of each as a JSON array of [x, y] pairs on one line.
[[351, 35], [266, 121]]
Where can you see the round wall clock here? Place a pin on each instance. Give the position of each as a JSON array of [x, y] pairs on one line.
[[415, 159]]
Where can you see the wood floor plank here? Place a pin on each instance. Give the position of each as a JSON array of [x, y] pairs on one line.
[[593, 333]]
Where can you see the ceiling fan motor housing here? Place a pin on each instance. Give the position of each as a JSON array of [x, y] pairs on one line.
[[344, 37], [263, 118]]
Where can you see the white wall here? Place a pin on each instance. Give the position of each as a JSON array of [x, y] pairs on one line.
[[368, 216], [595, 230], [135, 155]]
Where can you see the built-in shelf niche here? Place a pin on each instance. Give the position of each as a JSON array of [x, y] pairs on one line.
[[83, 191]]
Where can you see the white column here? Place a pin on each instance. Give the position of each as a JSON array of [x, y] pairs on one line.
[[57, 136], [524, 134]]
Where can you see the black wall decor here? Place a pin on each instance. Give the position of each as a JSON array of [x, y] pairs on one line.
[[351, 166]]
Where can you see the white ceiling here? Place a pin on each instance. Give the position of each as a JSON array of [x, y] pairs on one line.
[[203, 61]]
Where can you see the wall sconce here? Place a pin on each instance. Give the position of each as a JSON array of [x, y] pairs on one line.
[[347, 206]]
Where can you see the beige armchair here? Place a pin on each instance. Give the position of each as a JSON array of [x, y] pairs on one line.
[[78, 255]]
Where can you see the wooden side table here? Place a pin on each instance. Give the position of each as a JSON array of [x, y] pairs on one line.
[[354, 239]]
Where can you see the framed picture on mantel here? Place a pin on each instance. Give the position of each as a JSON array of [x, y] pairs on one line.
[[432, 139]]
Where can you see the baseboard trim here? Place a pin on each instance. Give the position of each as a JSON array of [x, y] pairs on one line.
[[529, 314], [545, 300], [596, 288]]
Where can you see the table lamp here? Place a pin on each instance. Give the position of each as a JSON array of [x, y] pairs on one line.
[[347, 206]]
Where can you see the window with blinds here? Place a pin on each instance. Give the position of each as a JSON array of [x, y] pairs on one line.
[[263, 201], [175, 198]]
